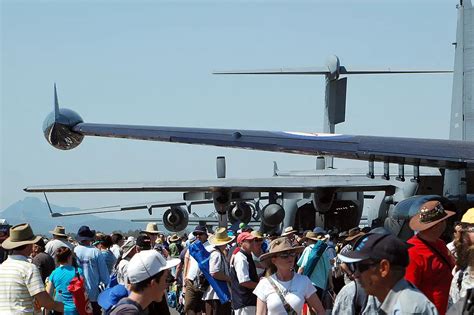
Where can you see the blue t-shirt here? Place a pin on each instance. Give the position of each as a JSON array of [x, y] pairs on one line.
[[60, 278], [109, 259]]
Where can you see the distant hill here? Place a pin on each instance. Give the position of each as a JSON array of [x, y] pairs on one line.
[[36, 212]]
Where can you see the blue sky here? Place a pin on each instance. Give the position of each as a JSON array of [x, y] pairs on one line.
[[150, 62]]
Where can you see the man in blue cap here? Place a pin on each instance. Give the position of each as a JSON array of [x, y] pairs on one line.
[[379, 262]]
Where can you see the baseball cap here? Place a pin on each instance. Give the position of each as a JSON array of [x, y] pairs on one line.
[[148, 263], [244, 236], [378, 246], [143, 241], [319, 230]]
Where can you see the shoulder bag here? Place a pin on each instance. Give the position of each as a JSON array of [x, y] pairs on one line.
[[289, 310]]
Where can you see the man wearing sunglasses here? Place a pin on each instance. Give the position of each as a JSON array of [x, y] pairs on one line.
[[378, 262]]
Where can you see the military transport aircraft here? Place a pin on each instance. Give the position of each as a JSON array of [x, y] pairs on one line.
[[65, 129]]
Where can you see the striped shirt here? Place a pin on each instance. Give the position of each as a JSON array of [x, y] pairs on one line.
[[20, 280]]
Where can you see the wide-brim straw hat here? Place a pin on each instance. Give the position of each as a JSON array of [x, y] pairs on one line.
[[174, 238], [20, 234], [288, 231], [59, 230], [468, 217], [151, 228], [314, 236], [220, 237], [353, 234], [431, 213], [280, 245]]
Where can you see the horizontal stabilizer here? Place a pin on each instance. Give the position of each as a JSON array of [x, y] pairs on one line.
[[325, 71], [312, 70], [343, 70]]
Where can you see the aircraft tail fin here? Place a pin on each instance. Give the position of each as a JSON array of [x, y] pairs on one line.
[[462, 106], [456, 182]]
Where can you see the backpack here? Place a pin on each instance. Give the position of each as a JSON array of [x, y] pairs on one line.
[[110, 297], [77, 288]]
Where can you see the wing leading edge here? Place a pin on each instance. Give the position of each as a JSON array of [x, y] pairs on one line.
[[278, 184], [415, 151]]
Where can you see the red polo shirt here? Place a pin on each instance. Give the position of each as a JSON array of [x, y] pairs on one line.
[[429, 272]]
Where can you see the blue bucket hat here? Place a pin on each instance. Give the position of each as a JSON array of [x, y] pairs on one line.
[[85, 234]]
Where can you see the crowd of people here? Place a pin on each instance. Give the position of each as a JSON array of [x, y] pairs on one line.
[[360, 271]]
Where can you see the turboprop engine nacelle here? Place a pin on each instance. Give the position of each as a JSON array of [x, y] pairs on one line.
[[175, 219], [241, 212], [273, 214], [222, 201], [323, 199]]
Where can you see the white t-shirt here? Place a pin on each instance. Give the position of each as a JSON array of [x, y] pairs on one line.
[[115, 249], [217, 263], [241, 267], [122, 275], [193, 268], [295, 292]]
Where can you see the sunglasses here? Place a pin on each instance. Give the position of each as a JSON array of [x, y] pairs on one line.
[[286, 255], [257, 240], [362, 267], [469, 229]]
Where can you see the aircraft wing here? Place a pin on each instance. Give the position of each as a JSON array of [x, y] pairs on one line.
[[277, 184], [415, 151]]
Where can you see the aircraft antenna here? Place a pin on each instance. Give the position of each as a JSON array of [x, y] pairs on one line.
[[56, 104]]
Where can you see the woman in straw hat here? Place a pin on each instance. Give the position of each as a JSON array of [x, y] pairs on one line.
[[284, 291], [219, 270]]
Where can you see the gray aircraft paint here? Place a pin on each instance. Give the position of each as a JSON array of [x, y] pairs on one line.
[[462, 106]]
